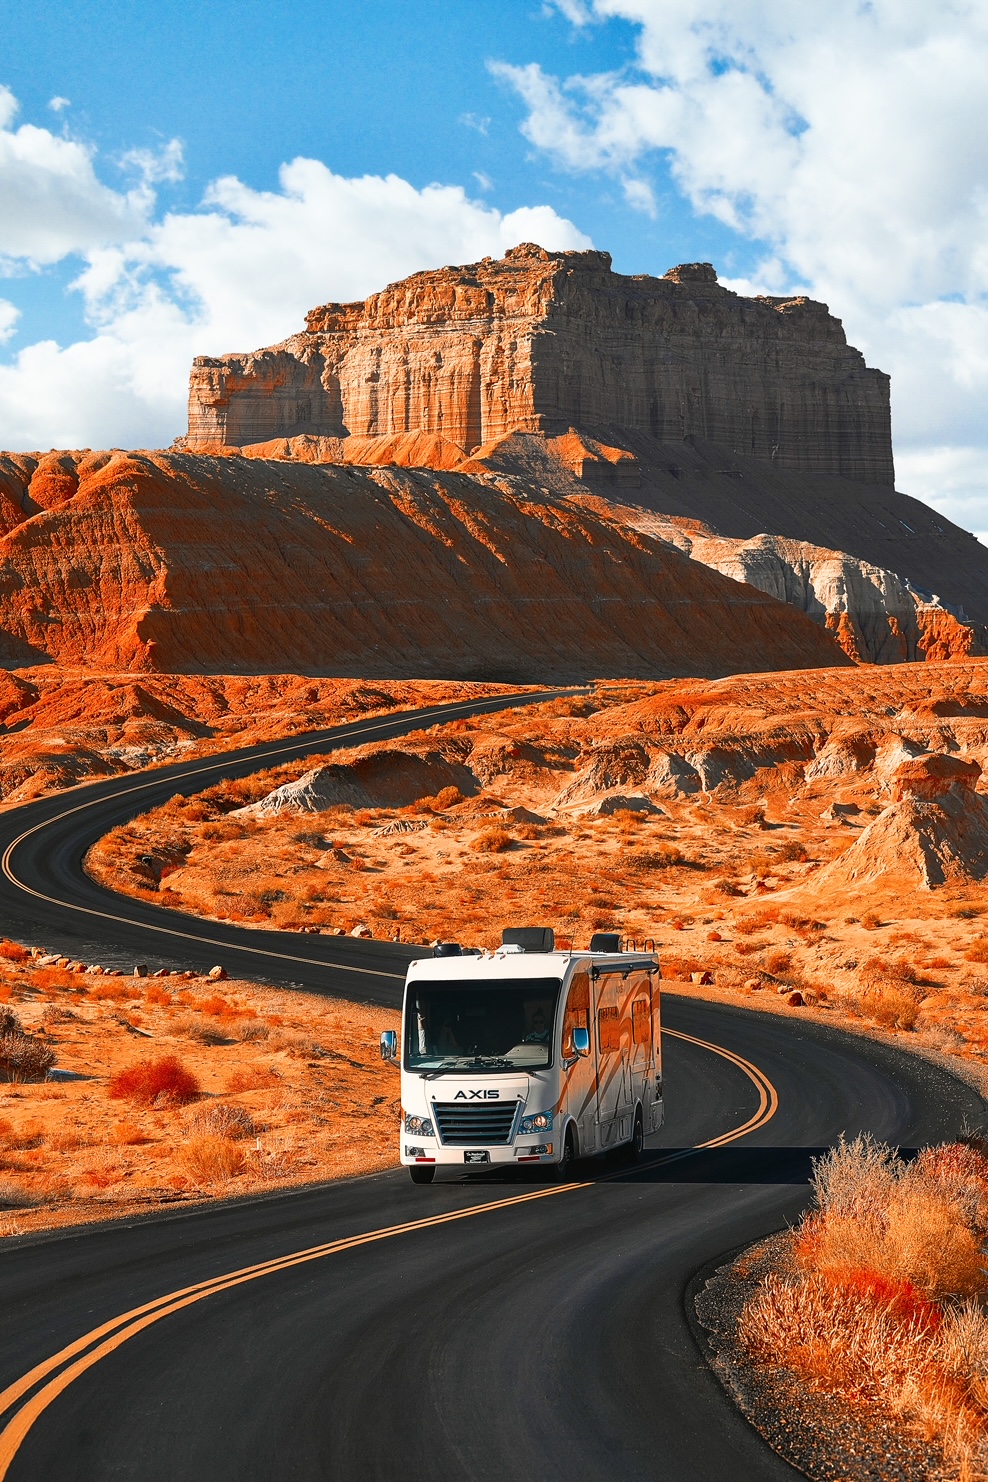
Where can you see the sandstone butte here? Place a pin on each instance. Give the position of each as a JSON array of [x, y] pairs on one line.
[[186, 562], [737, 419], [532, 468]]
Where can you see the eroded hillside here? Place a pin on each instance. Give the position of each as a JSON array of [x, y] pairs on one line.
[[188, 563], [817, 834]]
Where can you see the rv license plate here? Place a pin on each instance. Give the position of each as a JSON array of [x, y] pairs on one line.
[[482, 1157]]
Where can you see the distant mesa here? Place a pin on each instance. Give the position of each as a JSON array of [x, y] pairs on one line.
[[543, 341]]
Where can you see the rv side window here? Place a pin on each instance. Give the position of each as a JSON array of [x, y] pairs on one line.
[[577, 1011], [641, 1022], [608, 1030]]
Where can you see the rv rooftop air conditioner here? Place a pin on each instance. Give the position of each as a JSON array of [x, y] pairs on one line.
[[529, 938]]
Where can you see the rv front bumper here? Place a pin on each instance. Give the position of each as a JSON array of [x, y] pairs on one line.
[[426, 1151]]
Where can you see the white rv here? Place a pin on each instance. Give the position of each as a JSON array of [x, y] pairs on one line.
[[527, 1055]]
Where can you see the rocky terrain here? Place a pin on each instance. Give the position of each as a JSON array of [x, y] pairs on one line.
[[180, 562], [819, 838], [62, 726]]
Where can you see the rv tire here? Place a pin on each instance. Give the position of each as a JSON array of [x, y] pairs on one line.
[[563, 1170], [637, 1143]]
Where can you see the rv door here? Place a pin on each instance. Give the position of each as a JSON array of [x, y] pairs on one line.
[[614, 1044]]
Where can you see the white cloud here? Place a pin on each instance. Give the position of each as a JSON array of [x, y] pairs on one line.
[[640, 196], [847, 138], [155, 165], [57, 105], [9, 315], [238, 273], [51, 202]]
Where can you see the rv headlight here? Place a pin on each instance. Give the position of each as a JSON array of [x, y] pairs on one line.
[[537, 1122], [418, 1126]]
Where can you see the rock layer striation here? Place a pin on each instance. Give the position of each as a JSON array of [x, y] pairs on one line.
[[541, 341]]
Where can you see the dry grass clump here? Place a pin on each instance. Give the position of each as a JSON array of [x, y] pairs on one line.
[[151, 1082], [884, 1298], [211, 1159], [219, 1120]]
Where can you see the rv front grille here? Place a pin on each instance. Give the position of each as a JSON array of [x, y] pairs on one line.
[[476, 1123]]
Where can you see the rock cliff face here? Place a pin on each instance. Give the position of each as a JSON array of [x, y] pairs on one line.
[[185, 563], [539, 342], [877, 616]]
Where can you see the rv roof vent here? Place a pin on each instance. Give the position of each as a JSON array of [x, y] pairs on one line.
[[447, 949], [529, 938], [605, 941]]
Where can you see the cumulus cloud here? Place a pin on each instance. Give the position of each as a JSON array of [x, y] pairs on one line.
[[846, 139], [239, 272], [51, 201], [9, 315]]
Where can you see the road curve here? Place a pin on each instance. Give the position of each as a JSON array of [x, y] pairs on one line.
[[46, 896], [371, 1329], [544, 1335]]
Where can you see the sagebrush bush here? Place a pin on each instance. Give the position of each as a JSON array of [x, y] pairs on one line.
[[23, 1058], [165, 1079]]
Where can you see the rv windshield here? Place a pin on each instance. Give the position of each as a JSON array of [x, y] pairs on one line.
[[471, 1025]]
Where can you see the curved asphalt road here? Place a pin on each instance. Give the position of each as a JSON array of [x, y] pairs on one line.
[[481, 1334], [46, 897]]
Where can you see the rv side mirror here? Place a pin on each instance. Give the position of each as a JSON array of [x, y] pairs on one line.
[[389, 1045], [581, 1041]]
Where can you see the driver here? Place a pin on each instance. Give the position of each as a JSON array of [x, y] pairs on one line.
[[538, 1033]]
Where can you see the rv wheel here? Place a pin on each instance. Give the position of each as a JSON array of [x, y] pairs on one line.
[[563, 1170], [637, 1143], [422, 1173]]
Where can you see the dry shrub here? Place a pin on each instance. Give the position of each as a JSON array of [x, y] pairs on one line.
[[13, 951], [661, 857], [195, 1028], [778, 962], [871, 921], [162, 1081], [128, 1134], [890, 1004], [210, 1159], [978, 950], [446, 797], [492, 841], [158, 995], [249, 1030], [14, 1195], [217, 1120], [882, 1303], [116, 990], [22, 1058], [921, 1223]]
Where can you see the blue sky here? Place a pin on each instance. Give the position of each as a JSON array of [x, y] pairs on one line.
[[149, 215]]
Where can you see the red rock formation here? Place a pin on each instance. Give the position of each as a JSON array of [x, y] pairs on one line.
[[179, 562], [540, 342]]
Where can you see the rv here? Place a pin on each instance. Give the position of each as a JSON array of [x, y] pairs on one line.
[[527, 1055]]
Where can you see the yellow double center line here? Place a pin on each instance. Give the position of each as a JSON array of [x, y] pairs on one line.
[[62, 1368]]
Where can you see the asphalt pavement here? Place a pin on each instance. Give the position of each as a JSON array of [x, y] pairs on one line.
[[477, 1328]]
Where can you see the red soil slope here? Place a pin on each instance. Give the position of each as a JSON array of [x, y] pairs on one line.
[[182, 562]]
